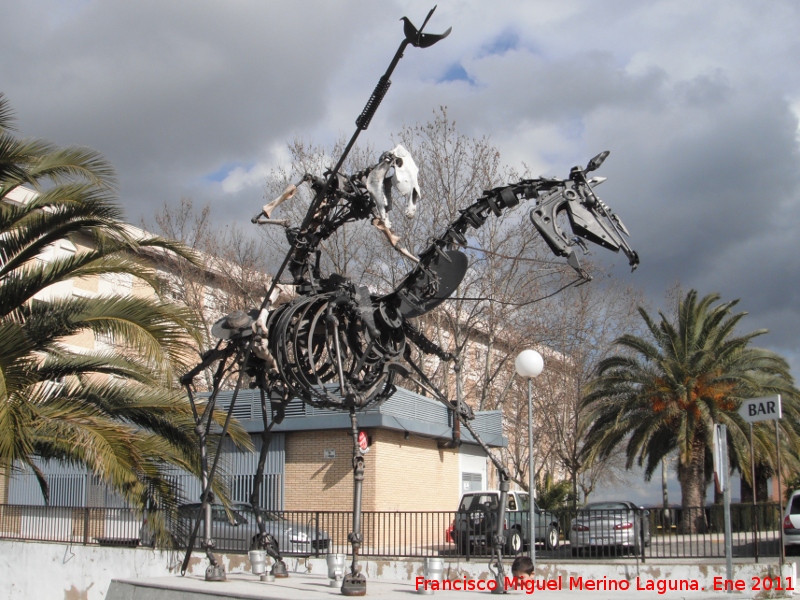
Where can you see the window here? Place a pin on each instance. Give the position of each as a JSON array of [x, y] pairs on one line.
[[795, 506]]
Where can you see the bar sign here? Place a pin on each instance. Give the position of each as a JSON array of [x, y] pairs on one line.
[[761, 409]]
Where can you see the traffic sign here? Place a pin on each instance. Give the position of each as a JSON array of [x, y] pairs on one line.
[[363, 442], [761, 409]]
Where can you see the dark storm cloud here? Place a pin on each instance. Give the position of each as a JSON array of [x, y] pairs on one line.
[[696, 100], [172, 91], [703, 133], [710, 185]]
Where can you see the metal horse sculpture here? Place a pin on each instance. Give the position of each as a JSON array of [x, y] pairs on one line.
[[335, 336]]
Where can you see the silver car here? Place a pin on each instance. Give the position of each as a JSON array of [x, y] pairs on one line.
[[614, 525], [234, 530]]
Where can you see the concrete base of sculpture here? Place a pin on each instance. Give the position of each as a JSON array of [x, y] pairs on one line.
[[308, 586], [296, 587]]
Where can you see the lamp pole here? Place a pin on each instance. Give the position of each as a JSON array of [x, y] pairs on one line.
[[529, 364]]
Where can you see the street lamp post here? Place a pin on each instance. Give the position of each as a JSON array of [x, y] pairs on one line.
[[529, 364]]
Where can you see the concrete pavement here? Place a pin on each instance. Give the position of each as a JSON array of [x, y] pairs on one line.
[[316, 587]]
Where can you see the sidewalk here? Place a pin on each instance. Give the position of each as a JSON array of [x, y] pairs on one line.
[[316, 587]]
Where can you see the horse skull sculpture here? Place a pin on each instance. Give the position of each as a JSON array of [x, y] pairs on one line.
[[336, 345], [403, 178], [379, 184]]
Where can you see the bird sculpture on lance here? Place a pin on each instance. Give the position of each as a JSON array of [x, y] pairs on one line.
[[336, 345]]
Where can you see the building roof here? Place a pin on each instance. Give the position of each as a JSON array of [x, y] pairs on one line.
[[405, 411]]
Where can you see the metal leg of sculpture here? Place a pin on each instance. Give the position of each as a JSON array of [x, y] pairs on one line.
[[215, 570], [264, 539], [202, 427], [355, 584], [464, 414], [498, 539]]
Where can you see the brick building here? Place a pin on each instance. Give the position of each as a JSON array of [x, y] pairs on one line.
[[409, 465]]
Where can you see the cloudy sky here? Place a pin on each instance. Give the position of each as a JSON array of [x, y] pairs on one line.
[[697, 101]]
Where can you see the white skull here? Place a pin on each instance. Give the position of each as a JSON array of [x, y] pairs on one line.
[[405, 178]]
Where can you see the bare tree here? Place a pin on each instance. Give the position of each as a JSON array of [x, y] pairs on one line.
[[354, 250], [508, 300], [578, 330], [230, 270], [493, 314]]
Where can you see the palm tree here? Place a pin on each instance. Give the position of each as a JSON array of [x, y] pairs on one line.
[[552, 494], [664, 394], [115, 412]]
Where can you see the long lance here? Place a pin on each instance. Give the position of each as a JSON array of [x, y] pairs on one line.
[[416, 38]]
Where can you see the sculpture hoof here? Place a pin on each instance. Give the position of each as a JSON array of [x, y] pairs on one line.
[[279, 569], [354, 584], [215, 573]]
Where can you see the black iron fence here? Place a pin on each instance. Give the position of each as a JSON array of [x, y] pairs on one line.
[[118, 526], [635, 534]]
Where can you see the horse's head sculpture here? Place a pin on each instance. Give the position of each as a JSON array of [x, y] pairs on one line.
[[395, 169]]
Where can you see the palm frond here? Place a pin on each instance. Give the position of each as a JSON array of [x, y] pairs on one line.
[[663, 393], [117, 412], [6, 115]]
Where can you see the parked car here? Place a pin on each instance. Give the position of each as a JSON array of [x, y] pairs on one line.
[[791, 524], [609, 525], [234, 530], [474, 523]]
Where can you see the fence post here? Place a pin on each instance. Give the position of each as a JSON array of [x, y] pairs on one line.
[[756, 531], [86, 526], [317, 535], [468, 543], [645, 514]]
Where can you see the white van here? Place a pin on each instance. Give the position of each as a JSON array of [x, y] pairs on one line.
[[791, 524]]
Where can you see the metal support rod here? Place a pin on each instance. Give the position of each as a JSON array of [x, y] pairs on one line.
[[202, 428], [333, 322], [355, 584], [664, 490], [264, 539], [202, 441], [753, 486], [358, 480], [726, 500], [780, 489], [225, 427], [215, 570], [504, 476], [258, 478], [498, 539], [86, 521], [456, 406], [531, 477], [208, 414]]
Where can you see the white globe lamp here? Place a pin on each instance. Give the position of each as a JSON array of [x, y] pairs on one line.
[[529, 363]]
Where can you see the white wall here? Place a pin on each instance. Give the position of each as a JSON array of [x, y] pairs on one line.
[[33, 570]]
